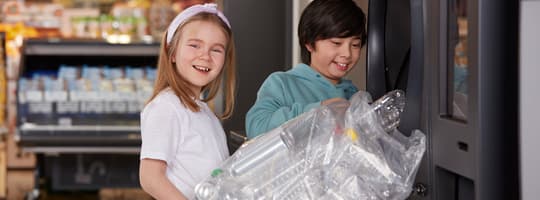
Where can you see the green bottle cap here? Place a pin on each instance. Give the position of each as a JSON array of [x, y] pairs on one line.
[[216, 172]]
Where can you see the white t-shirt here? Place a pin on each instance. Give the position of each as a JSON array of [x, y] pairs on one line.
[[192, 143]]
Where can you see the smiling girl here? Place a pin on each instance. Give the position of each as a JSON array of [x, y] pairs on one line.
[[182, 138]]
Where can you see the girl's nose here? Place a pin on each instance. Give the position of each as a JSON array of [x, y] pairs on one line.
[[205, 54]]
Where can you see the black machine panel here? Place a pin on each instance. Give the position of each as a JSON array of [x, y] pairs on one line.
[[455, 59]]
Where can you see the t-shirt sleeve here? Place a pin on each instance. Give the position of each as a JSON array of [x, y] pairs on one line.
[[158, 126]]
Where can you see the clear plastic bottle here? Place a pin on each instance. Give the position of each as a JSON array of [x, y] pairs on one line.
[[277, 164], [388, 109]]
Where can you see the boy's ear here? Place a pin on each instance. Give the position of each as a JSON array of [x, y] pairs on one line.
[[309, 47]]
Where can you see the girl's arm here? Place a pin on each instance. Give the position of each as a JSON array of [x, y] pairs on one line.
[[154, 182]]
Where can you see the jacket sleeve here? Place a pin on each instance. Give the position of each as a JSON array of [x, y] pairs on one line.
[[271, 110]]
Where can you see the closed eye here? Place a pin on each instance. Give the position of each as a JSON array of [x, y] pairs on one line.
[[217, 50]]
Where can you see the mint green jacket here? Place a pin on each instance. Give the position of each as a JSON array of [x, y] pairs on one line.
[[285, 95]]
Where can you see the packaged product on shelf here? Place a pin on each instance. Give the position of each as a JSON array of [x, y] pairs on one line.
[[67, 107], [144, 91], [44, 16], [150, 73], [160, 15], [73, 88], [78, 89], [31, 95], [127, 26], [29, 90], [56, 93], [143, 88], [105, 86], [72, 21], [54, 90], [90, 97], [13, 11], [78, 93], [134, 72], [135, 107], [142, 26], [105, 25], [68, 72], [92, 107], [78, 25], [93, 27], [22, 88], [91, 72], [112, 73], [124, 85]]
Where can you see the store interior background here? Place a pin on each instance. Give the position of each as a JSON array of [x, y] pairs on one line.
[[35, 80]]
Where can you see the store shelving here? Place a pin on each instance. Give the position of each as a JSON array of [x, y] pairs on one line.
[[42, 128], [84, 139]]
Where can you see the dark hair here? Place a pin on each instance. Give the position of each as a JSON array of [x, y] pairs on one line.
[[323, 19]]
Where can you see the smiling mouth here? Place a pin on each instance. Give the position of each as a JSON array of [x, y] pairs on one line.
[[342, 66], [202, 69]]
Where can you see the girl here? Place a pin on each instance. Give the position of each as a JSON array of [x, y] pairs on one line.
[[182, 139]]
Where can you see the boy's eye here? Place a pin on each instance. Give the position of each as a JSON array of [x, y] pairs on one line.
[[336, 43], [194, 45], [356, 45]]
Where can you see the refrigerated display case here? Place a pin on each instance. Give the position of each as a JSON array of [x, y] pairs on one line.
[[80, 117], [78, 105]]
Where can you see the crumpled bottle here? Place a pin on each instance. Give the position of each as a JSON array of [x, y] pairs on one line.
[[307, 157]]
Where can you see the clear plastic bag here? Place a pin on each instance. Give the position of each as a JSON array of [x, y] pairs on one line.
[[340, 151]]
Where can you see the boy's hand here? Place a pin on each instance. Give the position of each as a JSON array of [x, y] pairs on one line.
[[333, 100]]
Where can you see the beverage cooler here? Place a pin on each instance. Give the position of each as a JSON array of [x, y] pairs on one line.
[[78, 109]]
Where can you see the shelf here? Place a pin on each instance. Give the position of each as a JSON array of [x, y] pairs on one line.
[[90, 129], [83, 150], [79, 136], [88, 48]]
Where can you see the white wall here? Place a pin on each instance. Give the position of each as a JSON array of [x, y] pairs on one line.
[[298, 6], [529, 96], [358, 74]]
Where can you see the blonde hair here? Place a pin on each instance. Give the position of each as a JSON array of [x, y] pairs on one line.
[[167, 76]]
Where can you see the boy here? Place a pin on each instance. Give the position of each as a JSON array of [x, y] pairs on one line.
[[331, 35]]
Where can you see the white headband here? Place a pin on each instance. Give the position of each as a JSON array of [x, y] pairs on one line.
[[190, 12]]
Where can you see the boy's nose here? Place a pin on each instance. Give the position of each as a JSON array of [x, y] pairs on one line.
[[345, 51]]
